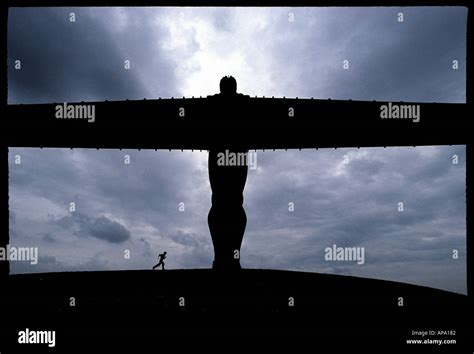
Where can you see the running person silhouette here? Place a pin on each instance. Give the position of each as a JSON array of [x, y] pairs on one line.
[[161, 258]]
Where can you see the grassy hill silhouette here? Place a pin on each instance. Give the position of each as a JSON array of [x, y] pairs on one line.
[[219, 306]]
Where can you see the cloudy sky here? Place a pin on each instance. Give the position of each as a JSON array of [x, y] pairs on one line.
[[292, 52], [343, 197]]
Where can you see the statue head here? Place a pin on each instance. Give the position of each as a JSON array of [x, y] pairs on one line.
[[228, 86]]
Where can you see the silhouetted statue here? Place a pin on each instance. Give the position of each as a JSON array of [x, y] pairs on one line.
[[227, 219], [228, 86], [161, 258], [228, 89]]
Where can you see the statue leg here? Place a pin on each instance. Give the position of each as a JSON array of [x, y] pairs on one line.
[[227, 219]]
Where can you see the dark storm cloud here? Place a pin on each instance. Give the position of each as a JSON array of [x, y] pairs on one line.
[[144, 196], [48, 238], [48, 263], [184, 239], [185, 51], [146, 247], [388, 60], [357, 205], [98, 171], [102, 227], [354, 204], [63, 61]]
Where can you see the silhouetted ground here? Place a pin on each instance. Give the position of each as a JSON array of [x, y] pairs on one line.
[[148, 287], [134, 309]]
